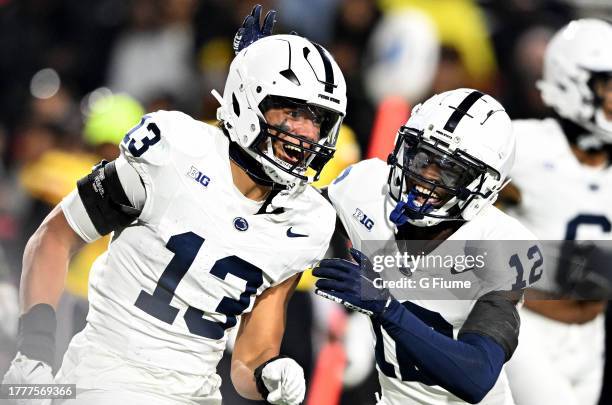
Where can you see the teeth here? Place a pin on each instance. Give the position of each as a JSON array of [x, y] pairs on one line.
[[425, 191], [292, 148]]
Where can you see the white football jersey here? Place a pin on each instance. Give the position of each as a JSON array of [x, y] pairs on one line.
[[561, 199], [360, 196], [173, 283]]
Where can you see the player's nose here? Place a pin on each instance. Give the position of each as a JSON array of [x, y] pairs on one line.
[[431, 172], [305, 128]]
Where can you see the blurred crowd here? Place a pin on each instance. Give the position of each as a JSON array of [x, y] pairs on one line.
[[75, 74]]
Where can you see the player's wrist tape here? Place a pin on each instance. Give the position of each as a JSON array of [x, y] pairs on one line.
[[261, 386], [36, 338]]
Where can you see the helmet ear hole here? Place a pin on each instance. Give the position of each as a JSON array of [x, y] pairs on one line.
[[463, 193], [235, 105], [318, 162]]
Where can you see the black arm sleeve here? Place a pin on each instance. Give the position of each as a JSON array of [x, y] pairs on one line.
[[105, 200], [495, 315]]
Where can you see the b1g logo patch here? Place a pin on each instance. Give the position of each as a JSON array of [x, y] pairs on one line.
[[363, 219], [198, 176]]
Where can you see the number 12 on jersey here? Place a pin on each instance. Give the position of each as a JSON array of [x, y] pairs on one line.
[[185, 247], [535, 273]]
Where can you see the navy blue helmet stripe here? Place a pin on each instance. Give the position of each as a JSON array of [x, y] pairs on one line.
[[329, 71], [288, 73], [462, 110]]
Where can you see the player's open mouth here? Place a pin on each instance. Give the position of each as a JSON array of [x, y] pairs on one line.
[[292, 153], [423, 195]]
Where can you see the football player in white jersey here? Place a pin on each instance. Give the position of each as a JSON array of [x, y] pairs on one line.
[[211, 225], [449, 163], [562, 187]]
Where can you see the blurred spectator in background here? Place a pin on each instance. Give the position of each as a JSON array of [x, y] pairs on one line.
[[9, 314], [402, 57], [8, 227], [155, 54], [520, 30], [353, 24], [72, 37], [467, 58], [312, 19]]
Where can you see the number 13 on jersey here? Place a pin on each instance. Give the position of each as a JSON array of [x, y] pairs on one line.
[[137, 143], [185, 247]]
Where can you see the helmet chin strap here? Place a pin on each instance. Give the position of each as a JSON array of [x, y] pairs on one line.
[[252, 168]]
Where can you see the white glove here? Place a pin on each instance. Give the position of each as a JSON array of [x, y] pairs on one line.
[[284, 379], [27, 371]]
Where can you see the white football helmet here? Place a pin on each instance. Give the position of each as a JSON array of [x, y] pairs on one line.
[[277, 71], [451, 158], [576, 56]]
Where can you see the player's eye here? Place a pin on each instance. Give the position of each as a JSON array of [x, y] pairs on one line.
[[293, 113], [450, 178], [305, 113], [419, 161]]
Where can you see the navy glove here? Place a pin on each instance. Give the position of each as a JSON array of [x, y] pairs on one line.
[[352, 284], [250, 30]]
